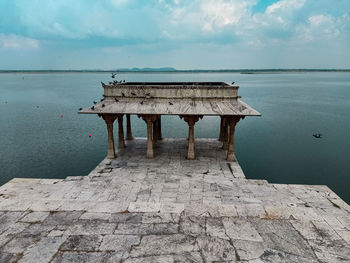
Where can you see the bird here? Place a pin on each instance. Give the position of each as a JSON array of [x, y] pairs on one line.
[[124, 80], [233, 82], [80, 108], [110, 83], [116, 99], [103, 85], [133, 93], [170, 103], [113, 75], [206, 172], [102, 99], [93, 107], [123, 94], [141, 102], [95, 102], [317, 135], [103, 105], [148, 94]]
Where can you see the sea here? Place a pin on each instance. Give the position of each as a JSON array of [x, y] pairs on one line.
[[43, 136]]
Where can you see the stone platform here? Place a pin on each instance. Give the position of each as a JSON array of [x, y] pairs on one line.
[[169, 209]]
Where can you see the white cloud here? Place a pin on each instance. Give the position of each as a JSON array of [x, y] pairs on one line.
[[284, 5], [220, 13], [17, 42], [317, 20]]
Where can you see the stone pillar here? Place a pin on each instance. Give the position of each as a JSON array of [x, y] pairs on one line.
[[225, 133], [221, 136], [191, 121], [149, 119], [109, 119], [232, 124], [121, 142], [128, 128], [155, 131], [160, 128]]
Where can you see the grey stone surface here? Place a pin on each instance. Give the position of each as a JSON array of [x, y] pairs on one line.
[[170, 209], [43, 251], [119, 243], [82, 243]]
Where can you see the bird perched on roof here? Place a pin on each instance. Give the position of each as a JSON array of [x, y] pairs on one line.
[[124, 80], [95, 102], [123, 94], [93, 107], [116, 99], [80, 108], [103, 105], [148, 94], [102, 99], [103, 85], [233, 82], [133, 93], [170, 103], [113, 75]]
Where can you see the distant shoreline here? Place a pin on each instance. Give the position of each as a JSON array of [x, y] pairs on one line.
[[241, 71]]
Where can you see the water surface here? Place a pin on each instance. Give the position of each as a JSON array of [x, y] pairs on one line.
[[42, 136]]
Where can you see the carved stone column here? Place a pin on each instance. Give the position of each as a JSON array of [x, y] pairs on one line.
[[225, 133], [109, 119], [191, 121], [160, 128], [121, 142], [149, 119], [155, 131], [221, 136], [128, 128], [232, 124]]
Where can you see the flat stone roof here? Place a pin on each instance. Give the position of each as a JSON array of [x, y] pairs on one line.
[[171, 98], [170, 209]]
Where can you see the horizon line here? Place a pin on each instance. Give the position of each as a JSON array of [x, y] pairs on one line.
[[170, 69]]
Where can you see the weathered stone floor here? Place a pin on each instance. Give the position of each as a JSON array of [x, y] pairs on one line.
[[170, 209]]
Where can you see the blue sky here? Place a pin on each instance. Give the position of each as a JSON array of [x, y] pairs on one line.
[[205, 34]]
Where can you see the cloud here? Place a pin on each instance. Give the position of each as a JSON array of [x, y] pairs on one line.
[[17, 42], [265, 28], [284, 5]]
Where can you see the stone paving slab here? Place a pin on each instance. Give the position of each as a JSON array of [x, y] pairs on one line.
[[169, 209]]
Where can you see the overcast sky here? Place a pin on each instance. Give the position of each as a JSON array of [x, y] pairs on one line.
[[185, 34]]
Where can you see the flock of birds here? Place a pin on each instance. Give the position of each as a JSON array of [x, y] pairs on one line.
[[148, 95]]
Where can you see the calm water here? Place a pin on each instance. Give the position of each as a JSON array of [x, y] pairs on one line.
[[278, 147]]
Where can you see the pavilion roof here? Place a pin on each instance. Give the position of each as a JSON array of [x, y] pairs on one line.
[[171, 98]]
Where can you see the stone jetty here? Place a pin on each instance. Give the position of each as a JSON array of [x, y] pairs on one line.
[[170, 209]]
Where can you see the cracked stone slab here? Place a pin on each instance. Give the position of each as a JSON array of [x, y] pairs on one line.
[[119, 243], [82, 243], [145, 207], [216, 249], [35, 217], [94, 227], [78, 257], [163, 245], [43, 251]]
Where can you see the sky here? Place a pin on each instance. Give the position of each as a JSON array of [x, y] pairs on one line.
[[184, 34]]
